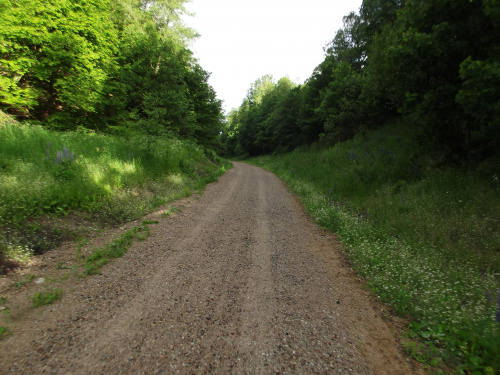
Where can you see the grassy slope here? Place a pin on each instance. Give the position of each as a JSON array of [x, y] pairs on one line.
[[426, 239], [109, 179]]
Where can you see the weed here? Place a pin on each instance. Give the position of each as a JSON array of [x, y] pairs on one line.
[[46, 298], [20, 284], [61, 266], [147, 222], [116, 248], [4, 331], [169, 212], [79, 244], [3, 300]]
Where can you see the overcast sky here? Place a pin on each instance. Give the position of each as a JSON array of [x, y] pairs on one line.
[[242, 40]]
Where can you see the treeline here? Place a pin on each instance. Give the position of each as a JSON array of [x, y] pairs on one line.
[[106, 65], [434, 62]]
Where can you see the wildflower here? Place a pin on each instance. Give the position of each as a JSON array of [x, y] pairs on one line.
[[497, 316], [489, 296]]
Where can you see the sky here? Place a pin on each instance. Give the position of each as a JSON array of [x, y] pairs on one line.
[[242, 40]]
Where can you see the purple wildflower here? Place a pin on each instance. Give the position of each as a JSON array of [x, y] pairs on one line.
[[64, 155], [497, 315], [488, 296]]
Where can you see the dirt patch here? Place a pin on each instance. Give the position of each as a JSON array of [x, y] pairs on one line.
[[240, 281]]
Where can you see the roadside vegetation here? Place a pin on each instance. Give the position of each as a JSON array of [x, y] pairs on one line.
[[103, 179], [105, 114], [426, 239]]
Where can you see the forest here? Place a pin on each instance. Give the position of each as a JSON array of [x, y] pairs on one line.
[[106, 66], [434, 63]]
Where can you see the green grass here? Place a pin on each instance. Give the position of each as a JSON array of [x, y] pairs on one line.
[[4, 331], [113, 179], [116, 248], [425, 237], [20, 284], [46, 298]]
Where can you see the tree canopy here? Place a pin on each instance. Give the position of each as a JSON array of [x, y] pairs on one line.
[[105, 65], [436, 63]]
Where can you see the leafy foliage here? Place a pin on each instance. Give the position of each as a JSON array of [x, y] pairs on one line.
[[103, 65], [56, 55], [434, 63]]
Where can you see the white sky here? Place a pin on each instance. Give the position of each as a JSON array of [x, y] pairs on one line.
[[242, 40]]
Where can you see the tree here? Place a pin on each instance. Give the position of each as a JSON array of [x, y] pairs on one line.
[[207, 108], [341, 109], [417, 63], [55, 55], [230, 132]]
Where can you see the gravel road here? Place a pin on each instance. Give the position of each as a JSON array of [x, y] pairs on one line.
[[241, 281]]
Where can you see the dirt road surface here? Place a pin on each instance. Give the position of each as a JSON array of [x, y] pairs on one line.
[[239, 282]]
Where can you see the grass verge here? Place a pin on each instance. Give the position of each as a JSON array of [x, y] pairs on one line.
[[426, 238], [45, 175]]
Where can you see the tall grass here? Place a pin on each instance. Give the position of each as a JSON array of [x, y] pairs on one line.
[[427, 239], [117, 179]]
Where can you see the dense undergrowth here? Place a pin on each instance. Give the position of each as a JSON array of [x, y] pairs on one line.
[[427, 239], [107, 179]]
